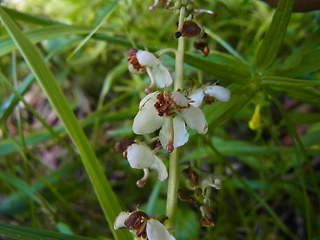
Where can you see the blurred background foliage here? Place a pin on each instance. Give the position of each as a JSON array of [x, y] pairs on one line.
[[268, 165]]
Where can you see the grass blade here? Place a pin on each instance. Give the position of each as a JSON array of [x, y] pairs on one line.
[[44, 76], [26, 233], [271, 44]]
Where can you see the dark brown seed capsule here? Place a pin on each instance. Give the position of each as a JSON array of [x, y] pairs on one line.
[[190, 29]]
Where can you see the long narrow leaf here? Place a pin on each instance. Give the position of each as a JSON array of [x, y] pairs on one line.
[[271, 44], [49, 85], [26, 233], [222, 66]]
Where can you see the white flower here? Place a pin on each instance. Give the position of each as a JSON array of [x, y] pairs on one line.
[[141, 157], [143, 61], [154, 112], [145, 225], [220, 93]]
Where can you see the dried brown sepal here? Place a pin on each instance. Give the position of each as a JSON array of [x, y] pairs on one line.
[[202, 46], [123, 144], [208, 211], [132, 59], [136, 220], [185, 198], [197, 191], [209, 100], [142, 230], [190, 29], [194, 177], [205, 222]]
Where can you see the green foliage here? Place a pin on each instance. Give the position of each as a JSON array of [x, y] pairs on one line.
[[76, 52]]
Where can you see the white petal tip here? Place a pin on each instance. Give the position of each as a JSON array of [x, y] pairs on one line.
[[120, 219], [220, 93]]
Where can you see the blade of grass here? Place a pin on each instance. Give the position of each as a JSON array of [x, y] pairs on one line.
[[222, 66], [28, 18], [27, 233], [273, 39], [50, 32], [301, 158], [7, 147], [108, 9], [251, 191], [45, 78], [37, 116]]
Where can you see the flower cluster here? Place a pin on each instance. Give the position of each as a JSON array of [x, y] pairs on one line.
[[171, 112]]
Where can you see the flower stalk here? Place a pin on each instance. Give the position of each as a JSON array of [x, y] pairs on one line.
[[173, 185]]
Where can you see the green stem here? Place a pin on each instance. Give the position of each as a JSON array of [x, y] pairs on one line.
[[173, 189], [173, 186]]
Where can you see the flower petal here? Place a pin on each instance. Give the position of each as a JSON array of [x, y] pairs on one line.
[[220, 93], [196, 97], [180, 99], [149, 100], [157, 231], [161, 168], [147, 59], [162, 76], [164, 133], [181, 135], [140, 156], [147, 119], [195, 119], [120, 219]]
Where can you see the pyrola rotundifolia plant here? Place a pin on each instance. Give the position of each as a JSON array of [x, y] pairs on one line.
[[170, 107]]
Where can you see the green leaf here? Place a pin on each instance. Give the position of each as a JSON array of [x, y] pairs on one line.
[[306, 59], [303, 94], [15, 203], [48, 83], [28, 18], [222, 66], [273, 39], [287, 82], [26, 233], [51, 32], [105, 14], [20, 185]]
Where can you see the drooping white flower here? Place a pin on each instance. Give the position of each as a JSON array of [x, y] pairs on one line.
[[144, 225], [217, 92], [154, 112], [142, 61], [141, 157]]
